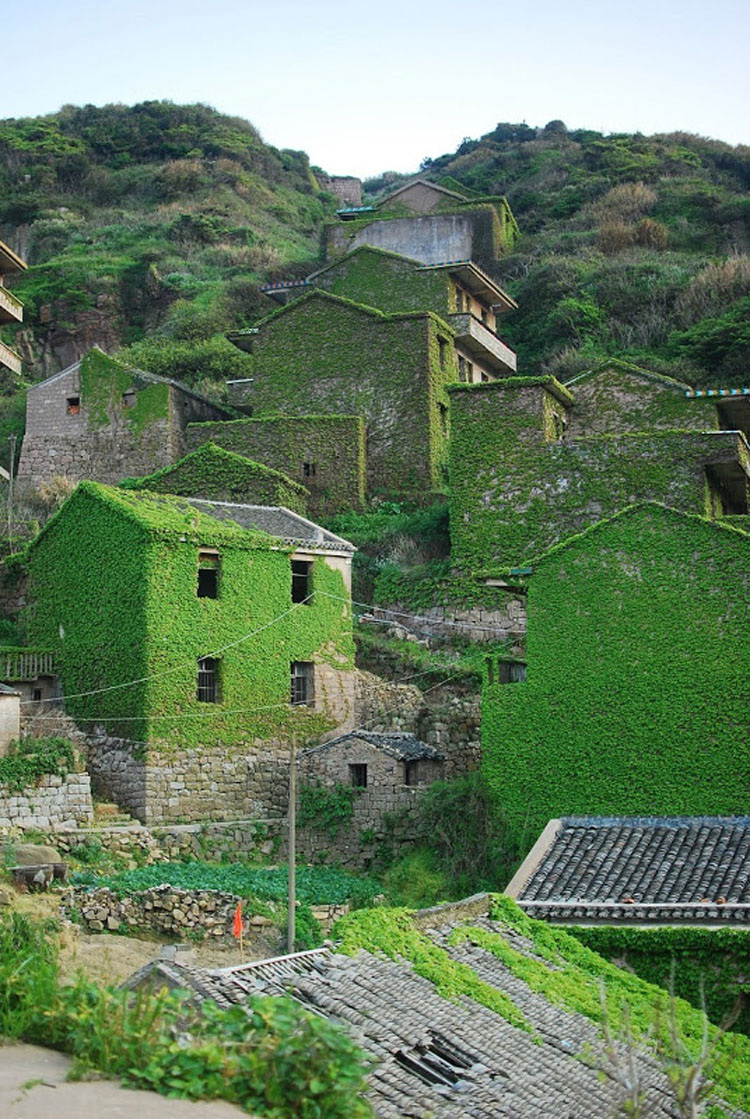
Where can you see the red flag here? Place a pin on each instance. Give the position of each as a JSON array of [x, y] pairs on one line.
[[237, 926]]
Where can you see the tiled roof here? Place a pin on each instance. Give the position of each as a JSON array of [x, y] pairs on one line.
[[398, 744], [276, 521], [436, 1056], [651, 870]]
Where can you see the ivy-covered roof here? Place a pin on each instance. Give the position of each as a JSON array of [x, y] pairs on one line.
[[628, 367], [655, 870], [236, 336], [208, 458]]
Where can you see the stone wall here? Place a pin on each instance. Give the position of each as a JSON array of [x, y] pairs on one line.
[[325, 454], [383, 815], [54, 802], [448, 622], [430, 238], [190, 785], [347, 189]]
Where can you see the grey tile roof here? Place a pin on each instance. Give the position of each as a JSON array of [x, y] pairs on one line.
[[659, 870], [435, 1056], [276, 521], [398, 744]]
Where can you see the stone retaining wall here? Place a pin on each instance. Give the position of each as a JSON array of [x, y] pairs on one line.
[[174, 912], [54, 802], [448, 622]]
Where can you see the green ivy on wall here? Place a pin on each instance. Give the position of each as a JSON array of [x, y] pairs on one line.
[[103, 382], [635, 701], [219, 475], [113, 580]]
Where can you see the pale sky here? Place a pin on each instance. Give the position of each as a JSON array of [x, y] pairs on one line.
[[368, 90]]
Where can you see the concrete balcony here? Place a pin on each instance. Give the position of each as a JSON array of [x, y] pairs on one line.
[[472, 335], [11, 308], [9, 359]]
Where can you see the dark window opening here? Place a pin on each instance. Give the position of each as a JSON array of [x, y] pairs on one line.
[[309, 469], [444, 419], [411, 773], [301, 580], [462, 368], [37, 695], [484, 316], [511, 672], [459, 300], [207, 690], [358, 775], [302, 683], [442, 351], [560, 423], [208, 574], [73, 405], [490, 670], [129, 399], [484, 377]]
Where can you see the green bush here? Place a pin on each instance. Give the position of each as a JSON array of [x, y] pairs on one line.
[[31, 758], [270, 1055]]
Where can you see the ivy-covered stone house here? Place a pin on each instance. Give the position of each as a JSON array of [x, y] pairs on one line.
[[100, 419], [11, 308], [634, 696], [198, 636], [326, 356], [429, 222], [219, 475], [534, 461], [460, 292]]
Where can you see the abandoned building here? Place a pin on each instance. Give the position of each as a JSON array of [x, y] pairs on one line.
[[322, 356], [11, 308], [205, 632], [635, 678], [427, 222], [220, 475], [534, 461], [368, 759], [436, 1054], [654, 871], [98, 419]]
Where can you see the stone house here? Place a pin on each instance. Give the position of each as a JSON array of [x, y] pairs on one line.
[[634, 698], [373, 760], [99, 419], [195, 637], [323, 356], [460, 292], [219, 475], [11, 308], [534, 461], [428, 222]]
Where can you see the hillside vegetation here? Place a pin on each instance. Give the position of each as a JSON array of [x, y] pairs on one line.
[[632, 246], [149, 227]]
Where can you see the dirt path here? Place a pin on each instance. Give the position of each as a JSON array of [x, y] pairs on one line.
[[33, 1086]]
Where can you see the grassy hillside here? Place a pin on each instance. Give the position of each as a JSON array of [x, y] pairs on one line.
[[155, 219], [632, 246]]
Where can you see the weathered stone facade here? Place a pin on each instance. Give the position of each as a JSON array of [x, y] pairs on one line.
[[107, 423], [326, 455], [448, 622], [55, 801]]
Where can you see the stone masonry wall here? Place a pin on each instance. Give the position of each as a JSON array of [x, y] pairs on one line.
[[447, 622], [54, 802], [382, 815]]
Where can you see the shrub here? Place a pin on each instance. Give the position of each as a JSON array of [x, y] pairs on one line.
[[31, 758], [711, 291]]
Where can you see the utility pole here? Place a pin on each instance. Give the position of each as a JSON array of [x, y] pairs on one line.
[[291, 839], [12, 441]]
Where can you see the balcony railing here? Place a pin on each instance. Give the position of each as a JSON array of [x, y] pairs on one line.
[[11, 308], [474, 336], [10, 359], [26, 664]]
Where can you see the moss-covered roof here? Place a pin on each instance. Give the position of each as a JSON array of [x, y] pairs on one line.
[[340, 301], [551, 383], [207, 458], [628, 367]]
